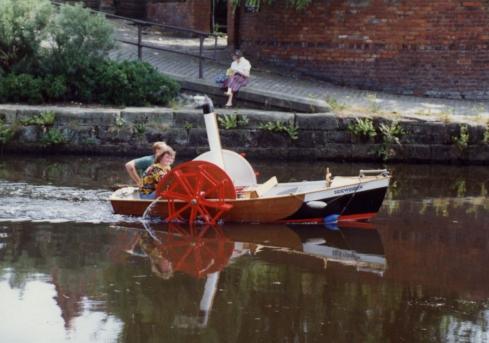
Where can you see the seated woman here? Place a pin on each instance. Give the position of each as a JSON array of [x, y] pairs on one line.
[[162, 165], [238, 75]]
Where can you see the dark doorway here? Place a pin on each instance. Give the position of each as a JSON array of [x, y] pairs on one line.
[[219, 16]]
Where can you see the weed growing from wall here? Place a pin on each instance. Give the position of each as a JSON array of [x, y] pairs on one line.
[[391, 135], [290, 129], [139, 129], [52, 137], [43, 119], [335, 105], [462, 140], [6, 133], [232, 121], [485, 138], [362, 127]]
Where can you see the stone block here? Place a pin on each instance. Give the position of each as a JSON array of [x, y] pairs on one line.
[[189, 119], [256, 118], [173, 137], [268, 139], [8, 115], [439, 133], [476, 133], [29, 134], [311, 139], [416, 133], [317, 121], [335, 151], [367, 151], [414, 153], [446, 153], [231, 139], [478, 154], [146, 115], [338, 137], [87, 117], [198, 137], [299, 154]]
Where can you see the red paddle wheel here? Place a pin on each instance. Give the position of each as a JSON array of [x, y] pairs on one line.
[[196, 191]]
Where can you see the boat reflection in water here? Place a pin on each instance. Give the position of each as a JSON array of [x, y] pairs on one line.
[[204, 251]]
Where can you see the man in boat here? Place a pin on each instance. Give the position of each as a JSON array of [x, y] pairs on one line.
[[135, 168]]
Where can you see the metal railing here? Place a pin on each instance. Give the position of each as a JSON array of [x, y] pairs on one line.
[[140, 24]]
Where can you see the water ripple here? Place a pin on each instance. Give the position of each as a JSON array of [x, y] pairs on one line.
[[46, 203]]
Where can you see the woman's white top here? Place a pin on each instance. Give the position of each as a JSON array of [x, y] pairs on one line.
[[242, 66]]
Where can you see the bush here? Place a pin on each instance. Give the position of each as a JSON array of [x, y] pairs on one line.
[[80, 40], [21, 88], [74, 66], [23, 26], [133, 84], [55, 87]]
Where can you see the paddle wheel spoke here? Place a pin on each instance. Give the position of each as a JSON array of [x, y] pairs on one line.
[[184, 257], [179, 211], [206, 215], [183, 180]]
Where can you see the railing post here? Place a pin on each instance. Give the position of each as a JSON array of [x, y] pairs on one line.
[[201, 60], [215, 48], [140, 48]]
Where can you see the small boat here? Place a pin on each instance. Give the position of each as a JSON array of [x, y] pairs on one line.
[[220, 186]]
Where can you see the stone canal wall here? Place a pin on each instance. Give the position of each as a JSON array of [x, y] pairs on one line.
[[261, 134]]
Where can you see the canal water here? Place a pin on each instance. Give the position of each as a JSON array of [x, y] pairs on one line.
[[71, 271]]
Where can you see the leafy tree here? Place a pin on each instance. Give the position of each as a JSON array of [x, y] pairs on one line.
[[23, 26], [80, 39]]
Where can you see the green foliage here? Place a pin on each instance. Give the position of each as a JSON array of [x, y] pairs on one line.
[[21, 88], [55, 87], [121, 83], [119, 121], [133, 83], [335, 104], [74, 65], [6, 133], [281, 127], [485, 138], [139, 128], [187, 126], [462, 140], [23, 26], [44, 119], [391, 134], [362, 127], [232, 121], [79, 38], [53, 136]]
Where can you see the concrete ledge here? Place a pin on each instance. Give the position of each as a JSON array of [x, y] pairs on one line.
[[265, 99]]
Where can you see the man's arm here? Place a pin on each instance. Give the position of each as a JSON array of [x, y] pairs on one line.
[[133, 173]]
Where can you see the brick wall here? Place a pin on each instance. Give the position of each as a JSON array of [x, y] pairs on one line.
[[436, 48], [192, 14]]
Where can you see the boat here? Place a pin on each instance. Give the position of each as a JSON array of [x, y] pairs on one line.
[[220, 186]]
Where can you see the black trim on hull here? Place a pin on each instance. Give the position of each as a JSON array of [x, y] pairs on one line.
[[348, 204]]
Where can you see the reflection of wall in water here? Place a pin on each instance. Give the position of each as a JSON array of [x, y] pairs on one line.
[[447, 256]]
